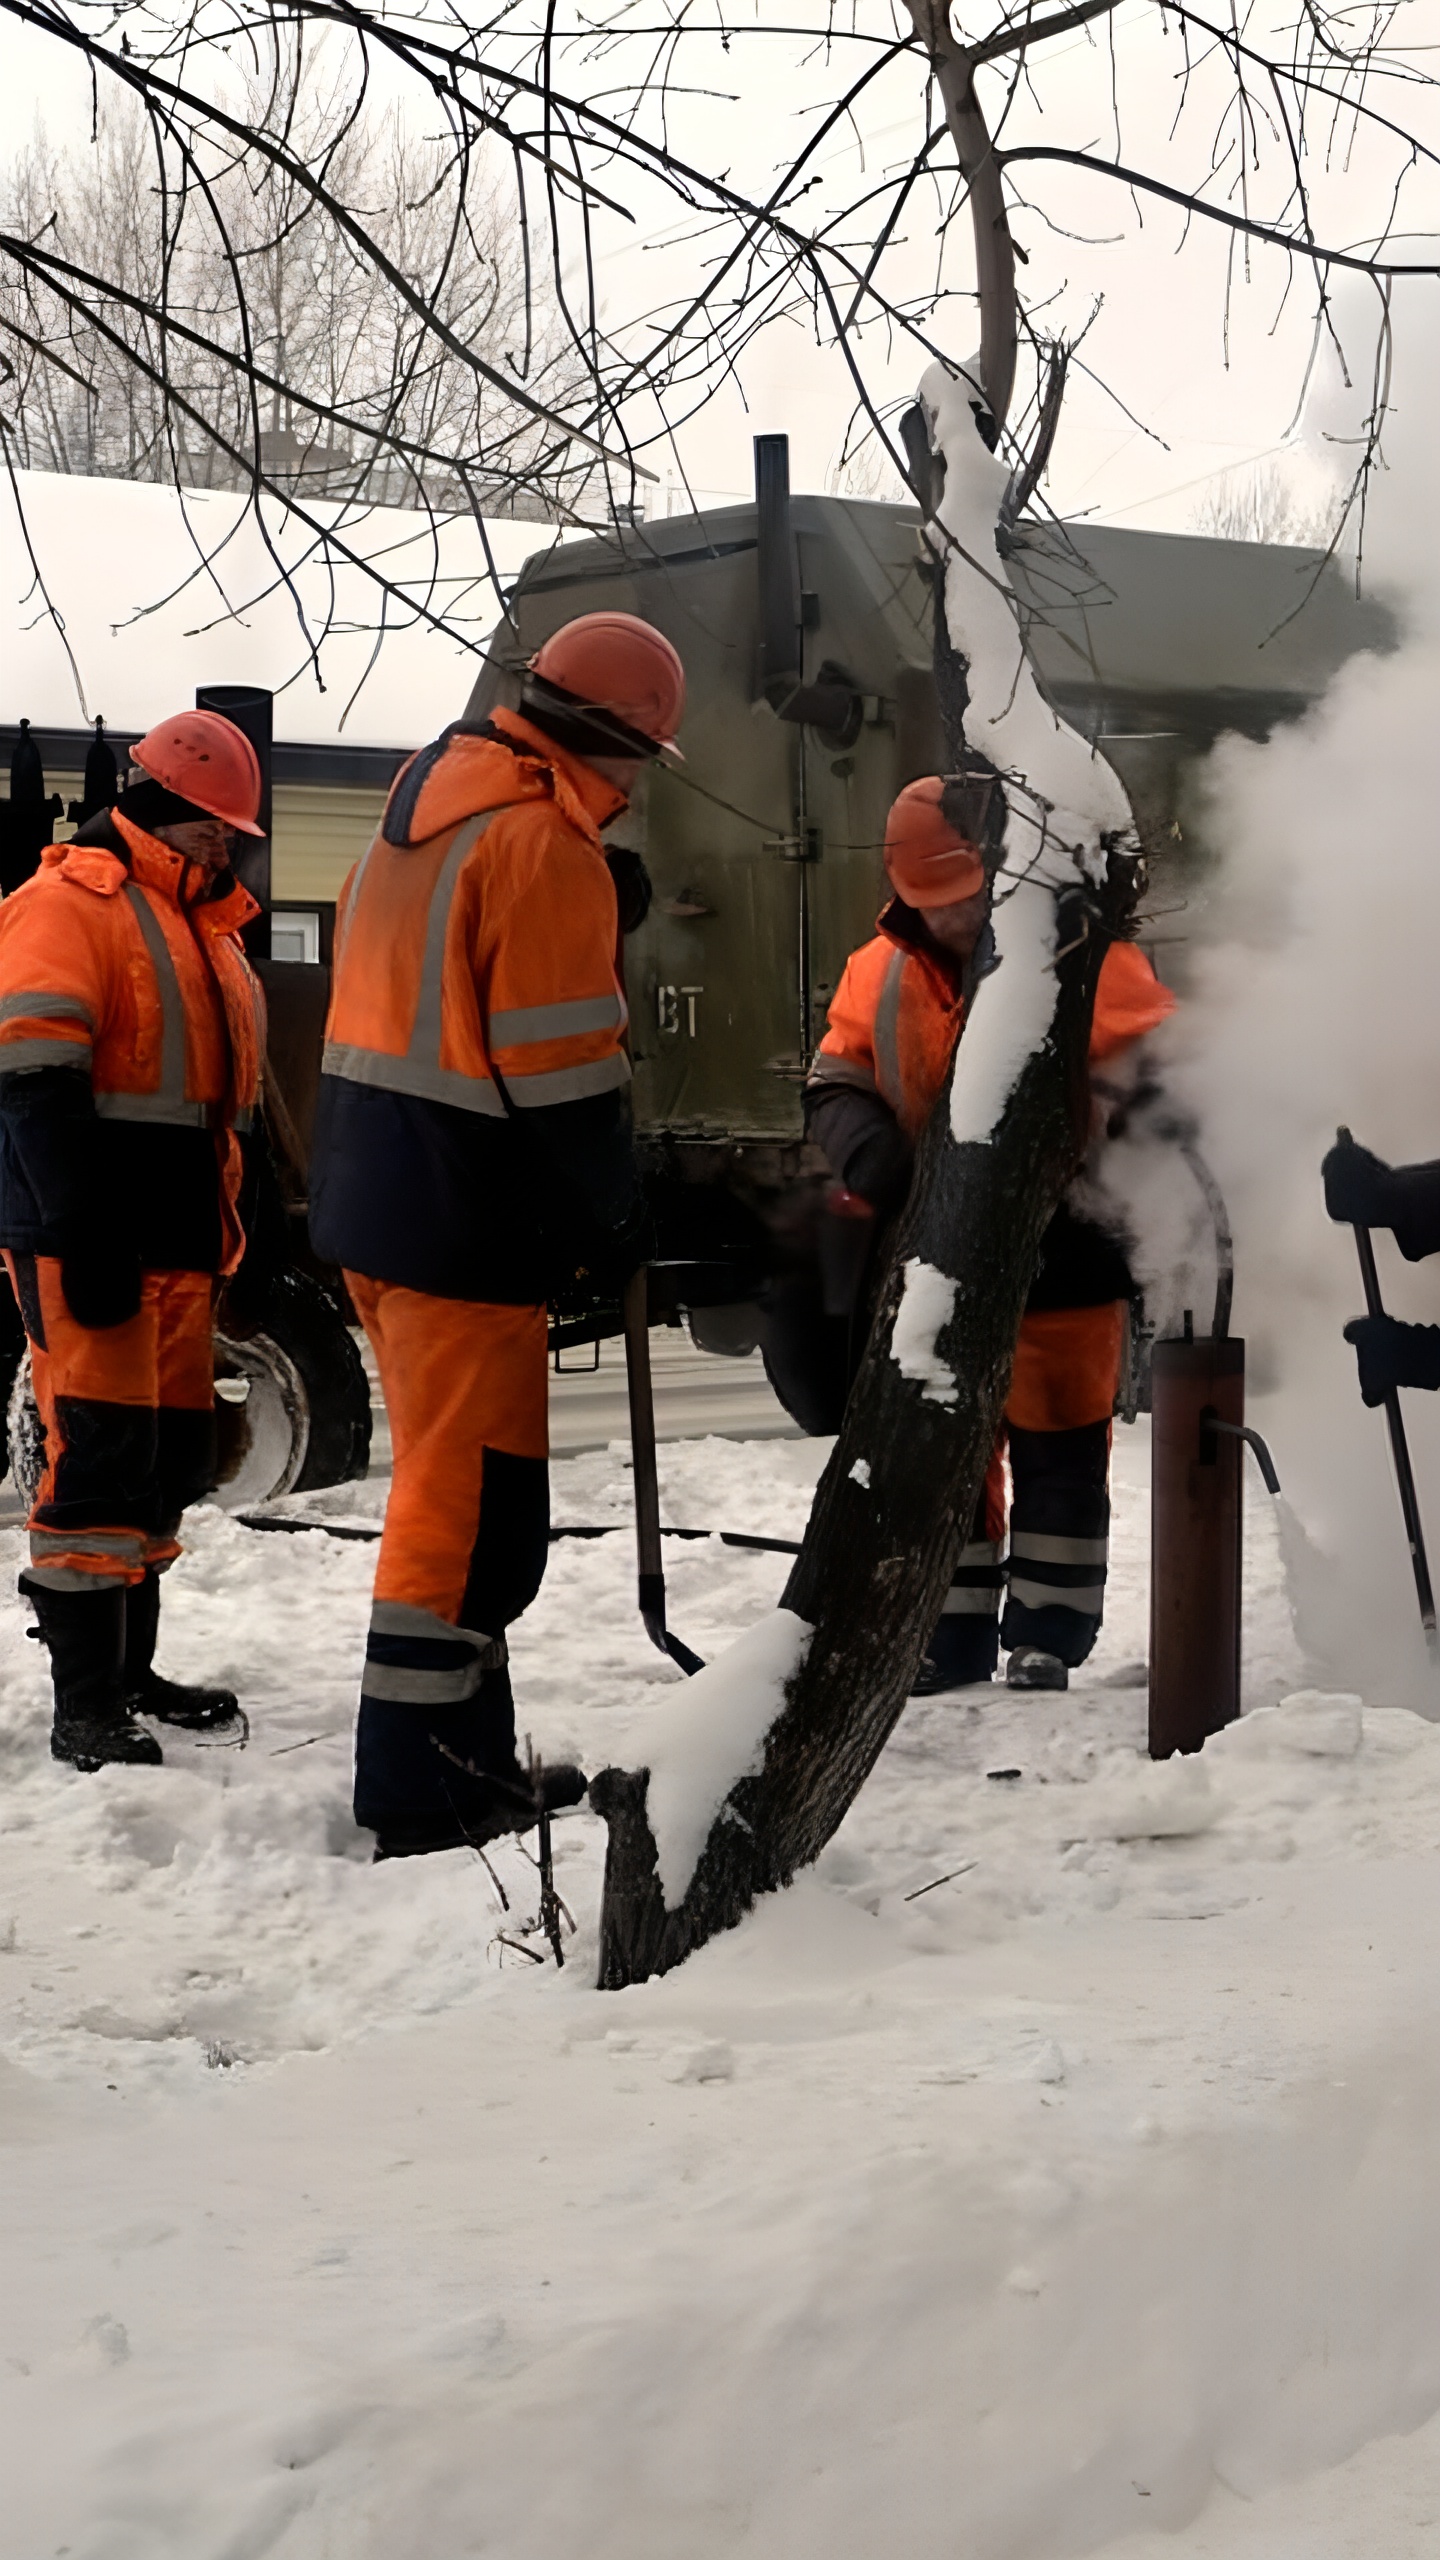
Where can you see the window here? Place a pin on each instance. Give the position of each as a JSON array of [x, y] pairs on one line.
[[295, 934]]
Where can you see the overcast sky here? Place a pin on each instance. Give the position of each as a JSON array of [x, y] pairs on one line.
[[1207, 392]]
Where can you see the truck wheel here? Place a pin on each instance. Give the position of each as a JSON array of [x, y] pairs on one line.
[[292, 1404], [731, 1333]]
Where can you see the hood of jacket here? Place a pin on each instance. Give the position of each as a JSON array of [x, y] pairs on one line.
[[508, 760]]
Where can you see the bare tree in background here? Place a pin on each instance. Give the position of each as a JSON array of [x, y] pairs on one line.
[[325, 328], [1262, 504], [866, 469], [618, 156]]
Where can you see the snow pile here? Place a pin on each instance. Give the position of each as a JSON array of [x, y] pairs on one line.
[[1164, 1800], [927, 1303], [701, 1745], [1061, 798], [1326, 1728], [1044, 2157]]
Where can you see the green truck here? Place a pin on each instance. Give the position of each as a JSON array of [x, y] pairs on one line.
[[764, 847], [805, 624]]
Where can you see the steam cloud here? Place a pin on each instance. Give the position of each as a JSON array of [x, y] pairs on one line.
[[1315, 1000]]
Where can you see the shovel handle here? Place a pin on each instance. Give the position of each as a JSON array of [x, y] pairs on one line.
[[642, 1430], [649, 1558], [1399, 1449]]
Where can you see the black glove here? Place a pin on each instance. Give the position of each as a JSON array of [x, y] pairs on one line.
[[55, 1154], [1362, 1191], [866, 1148], [610, 1260], [1390, 1354], [101, 1281], [632, 886], [1359, 1186]]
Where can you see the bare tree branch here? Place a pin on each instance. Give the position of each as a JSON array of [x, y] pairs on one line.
[[1298, 247]]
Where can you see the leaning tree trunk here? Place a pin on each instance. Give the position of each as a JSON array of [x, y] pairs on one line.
[[954, 67], [896, 1501]]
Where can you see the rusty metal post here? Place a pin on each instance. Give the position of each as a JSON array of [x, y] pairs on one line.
[[1195, 1527]]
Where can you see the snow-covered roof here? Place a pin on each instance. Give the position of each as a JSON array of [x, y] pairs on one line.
[[159, 592]]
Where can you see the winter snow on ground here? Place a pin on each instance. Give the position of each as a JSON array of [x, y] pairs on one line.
[[1052, 2171]]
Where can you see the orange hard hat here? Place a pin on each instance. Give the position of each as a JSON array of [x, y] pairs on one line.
[[203, 758], [615, 663], [928, 863]]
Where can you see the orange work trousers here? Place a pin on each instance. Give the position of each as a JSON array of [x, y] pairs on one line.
[[128, 1412], [1067, 1367], [468, 1521], [1056, 1432]]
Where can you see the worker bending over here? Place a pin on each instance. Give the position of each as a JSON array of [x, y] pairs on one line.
[[473, 1156], [893, 1025], [1361, 1190], [131, 1036]]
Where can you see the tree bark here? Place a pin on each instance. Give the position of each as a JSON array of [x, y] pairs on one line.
[[980, 169], [877, 1557]]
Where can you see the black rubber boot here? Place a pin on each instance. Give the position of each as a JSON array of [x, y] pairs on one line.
[[1031, 1668], [428, 1779], [198, 1710], [85, 1634], [964, 1649]]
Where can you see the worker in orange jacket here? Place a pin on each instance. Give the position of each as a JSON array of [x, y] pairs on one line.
[[893, 1025], [131, 1038], [472, 1158]]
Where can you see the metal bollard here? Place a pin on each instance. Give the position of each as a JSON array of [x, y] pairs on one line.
[[1197, 1451]]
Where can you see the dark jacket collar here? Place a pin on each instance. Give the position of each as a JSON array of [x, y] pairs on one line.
[[906, 928]]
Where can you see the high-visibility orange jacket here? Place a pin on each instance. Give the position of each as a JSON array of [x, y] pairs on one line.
[[117, 969], [472, 1135], [893, 1026], [897, 1013]]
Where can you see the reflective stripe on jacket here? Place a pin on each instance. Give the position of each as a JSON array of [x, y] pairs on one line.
[[476, 967], [110, 967], [897, 1013], [114, 963], [472, 1133]]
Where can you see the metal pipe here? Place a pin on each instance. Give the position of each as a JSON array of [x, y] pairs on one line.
[[779, 597], [802, 821], [835, 704], [1197, 1428], [1245, 1431], [252, 708], [1214, 1199]]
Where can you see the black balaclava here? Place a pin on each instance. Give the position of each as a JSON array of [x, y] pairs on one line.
[[149, 805], [584, 727]]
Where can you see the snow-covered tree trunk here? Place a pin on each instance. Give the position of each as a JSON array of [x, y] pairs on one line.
[[891, 1513], [753, 1767]]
